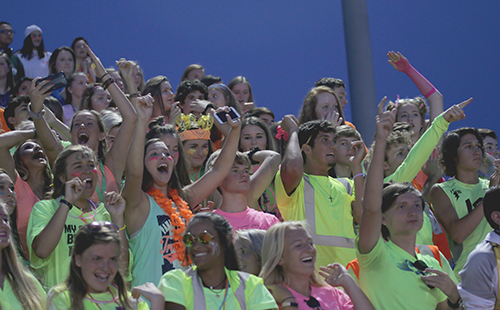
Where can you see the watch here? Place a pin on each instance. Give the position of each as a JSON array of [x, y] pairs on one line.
[[69, 204]]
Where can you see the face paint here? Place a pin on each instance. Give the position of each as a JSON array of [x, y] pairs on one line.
[[153, 158], [94, 170], [170, 158], [191, 151], [76, 174], [205, 151], [176, 155], [82, 156], [215, 248]]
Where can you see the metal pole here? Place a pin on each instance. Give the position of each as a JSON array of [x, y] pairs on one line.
[[360, 67]]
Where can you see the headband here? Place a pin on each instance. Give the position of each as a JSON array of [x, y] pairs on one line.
[[220, 87], [192, 129]]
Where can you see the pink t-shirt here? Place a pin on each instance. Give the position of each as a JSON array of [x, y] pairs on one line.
[[249, 219], [329, 298], [26, 199]]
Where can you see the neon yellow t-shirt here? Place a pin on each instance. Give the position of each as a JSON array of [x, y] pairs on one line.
[[464, 198], [389, 279], [333, 217], [8, 299], [55, 268], [103, 301], [177, 287]]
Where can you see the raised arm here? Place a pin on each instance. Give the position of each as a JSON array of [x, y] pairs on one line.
[[371, 220], [292, 167], [116, 156], [115, 204], [7, 141], [359, 180], [261, 179], [421, 151], [400, 63], [49, 142], [200, 189], [137, 208], [46, 241]]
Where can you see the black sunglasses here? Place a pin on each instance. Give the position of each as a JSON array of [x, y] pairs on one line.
[[313, 303], [203, 238], [421, 266]]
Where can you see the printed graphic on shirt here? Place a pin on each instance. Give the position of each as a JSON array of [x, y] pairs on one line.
[[167, 242], [70, 232]]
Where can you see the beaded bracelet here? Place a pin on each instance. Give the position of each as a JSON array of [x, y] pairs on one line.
[[103, 76], [135, 95], [359, 174], [124, 226]]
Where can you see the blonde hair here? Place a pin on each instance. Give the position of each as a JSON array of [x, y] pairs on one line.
[[272, 251], [22, 285]]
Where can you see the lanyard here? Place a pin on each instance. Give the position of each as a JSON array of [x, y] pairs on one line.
[[100, 193]]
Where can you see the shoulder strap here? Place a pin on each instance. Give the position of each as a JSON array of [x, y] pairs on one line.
[[496, 249], [240, 291], [347, 185], [310, 214], [199, 301]]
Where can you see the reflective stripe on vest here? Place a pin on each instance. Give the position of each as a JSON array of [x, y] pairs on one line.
[[310, 213], [199, 295]]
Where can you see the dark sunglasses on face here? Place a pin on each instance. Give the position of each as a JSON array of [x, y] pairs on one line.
[[7, 32], [97, 226], [313, 303], [203, 238]]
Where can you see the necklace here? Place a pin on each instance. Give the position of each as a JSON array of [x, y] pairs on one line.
[[322, 187], [212, 288], [177, 218], [86, 219], [113, 298]]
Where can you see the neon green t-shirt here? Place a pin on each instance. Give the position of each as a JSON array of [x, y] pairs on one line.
[[8, 299], [420, 152], [55, 268], [177, 287], [389, 279], [464, 198], [104, 301], [333, 217]]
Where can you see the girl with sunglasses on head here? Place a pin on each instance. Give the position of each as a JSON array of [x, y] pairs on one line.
[[96, 276], [53, 223], [214, 281], [19, 288], [410, 280], [158, 206], [289, 257]]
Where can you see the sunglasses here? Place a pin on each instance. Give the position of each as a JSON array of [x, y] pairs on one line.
[[421, 266], [97, 226], [8, 32], [203, 238], [313, 303]]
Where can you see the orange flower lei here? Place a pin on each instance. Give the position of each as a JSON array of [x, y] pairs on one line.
[[179, 226]]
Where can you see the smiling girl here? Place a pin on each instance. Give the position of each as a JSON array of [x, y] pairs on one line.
[[53, 223]]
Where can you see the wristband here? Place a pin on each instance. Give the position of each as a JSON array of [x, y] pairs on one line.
[[103, 76], [124, 226], [34, 115], [34, 131], [289, 304], [135, 95], [108, 82], [69, 204], [455, 305], [359, 174]]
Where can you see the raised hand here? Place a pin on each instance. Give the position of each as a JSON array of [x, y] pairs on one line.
[[144, 107], [175, 111], [74, 189], [335, 274], [289, 123], [456, 112], [37, 94], [126, 68], [114, 203], [333, 117], [432, 167], [99, 68], [398, 61], [151, 293], [360, 152], [385, 121]]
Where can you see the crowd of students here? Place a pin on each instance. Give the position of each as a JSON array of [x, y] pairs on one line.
[[117, 193]]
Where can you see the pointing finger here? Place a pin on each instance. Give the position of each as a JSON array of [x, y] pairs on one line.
[[381, 105], [465, 103]]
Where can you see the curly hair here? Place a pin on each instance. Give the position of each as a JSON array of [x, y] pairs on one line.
[[418, 101], [187, 87], [448, 154], [224, 229]]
